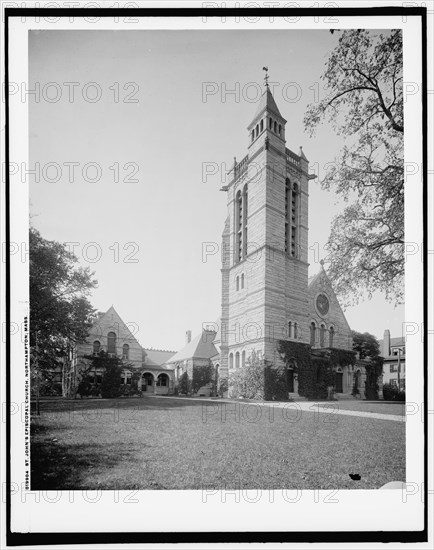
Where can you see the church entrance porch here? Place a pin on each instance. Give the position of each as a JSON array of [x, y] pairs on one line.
[[162, 385], [147, 382]]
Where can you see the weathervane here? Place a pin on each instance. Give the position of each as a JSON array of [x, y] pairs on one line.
[[266, 77]]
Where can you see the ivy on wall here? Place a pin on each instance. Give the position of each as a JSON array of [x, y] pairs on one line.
[[373, 370], [315, 369]]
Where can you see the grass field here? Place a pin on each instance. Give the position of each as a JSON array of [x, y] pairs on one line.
[[164, 443]]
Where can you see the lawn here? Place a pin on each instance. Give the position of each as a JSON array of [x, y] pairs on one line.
[[164, 443], [379, 407]]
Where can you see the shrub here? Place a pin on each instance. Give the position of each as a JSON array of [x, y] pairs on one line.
[[373, 372], [247, 381], [390, 392], [184, 385], [84, 387], [111, 381], [400, 396], [202, 376], [222, 387]]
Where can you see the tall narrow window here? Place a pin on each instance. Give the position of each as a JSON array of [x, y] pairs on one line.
[[294, 216], [275, 126], [295, 330], [125, 351], [331, 337], [312, 333], [257, 130], [290, 329], [239, 225], [111, 342], [237, 360], [96, 347], [321, 336], [270, 123], [262, 125], [287, 211], [238, 283], [231, 360], [245, 214], [280, 129], [243, 359], [242, 280]]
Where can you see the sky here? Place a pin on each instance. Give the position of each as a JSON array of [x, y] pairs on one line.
[[134, 133]]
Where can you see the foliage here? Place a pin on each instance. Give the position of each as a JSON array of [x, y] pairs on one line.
[[363, 77], [112, 367], [390, 392], [203, 376], [247, 381], [184, 385], [315, 369], [365, 344], [400, 396], [373, 369], [222, 387], [60, 313]]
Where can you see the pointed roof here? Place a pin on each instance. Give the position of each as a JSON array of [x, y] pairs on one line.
[[113, 319], [201, 347], [268, 103], [157, 357]]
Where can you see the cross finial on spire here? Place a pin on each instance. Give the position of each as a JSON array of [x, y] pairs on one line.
[[266, 77], [322, 263]]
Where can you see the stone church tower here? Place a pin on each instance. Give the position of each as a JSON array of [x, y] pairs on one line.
[[265, 245]]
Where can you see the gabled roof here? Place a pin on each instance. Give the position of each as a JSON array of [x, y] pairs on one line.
[[267, 102], [115, 320], [201, 347], [157, 357]]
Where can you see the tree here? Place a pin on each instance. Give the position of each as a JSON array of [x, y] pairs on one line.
[[111, 367], [60, 313], [368, 348], [364, 104], [365, 344]]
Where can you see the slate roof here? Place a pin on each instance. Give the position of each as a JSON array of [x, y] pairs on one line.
[[267, 101], [157, 357], [201, 347]]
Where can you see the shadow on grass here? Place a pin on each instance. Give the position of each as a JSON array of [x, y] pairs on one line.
[[139, 403], [57, 466]]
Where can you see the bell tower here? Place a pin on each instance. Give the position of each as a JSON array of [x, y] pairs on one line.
[[265, 241]]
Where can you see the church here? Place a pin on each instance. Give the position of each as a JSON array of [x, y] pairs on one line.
[[267, 295]]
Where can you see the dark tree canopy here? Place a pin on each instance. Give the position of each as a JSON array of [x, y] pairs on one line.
[[364, 103], [60, 313], [366, 344]]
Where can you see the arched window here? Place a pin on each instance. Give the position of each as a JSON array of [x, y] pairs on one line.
[[96, 347], [245, 214], [294, 219], [162, 380], [231, 360], [253, 135], [237, 360], [125, 351], [312, 333], [239, 225], [295, 330], [275, 126], [238, 283], [257, 130], [243, 358], [290, 329], [280, 129], [242, 280], [331, 337], [287, 210], [111, 342], [322, 336], [270, 123], [262, 125]]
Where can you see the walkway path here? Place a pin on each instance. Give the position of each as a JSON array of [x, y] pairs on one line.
[[314, 407]]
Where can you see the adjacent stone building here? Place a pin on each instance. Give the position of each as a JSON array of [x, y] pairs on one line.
[[111, 334], [393, 351]]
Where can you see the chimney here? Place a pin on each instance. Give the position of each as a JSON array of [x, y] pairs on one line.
[[187, 336], [386, 343]]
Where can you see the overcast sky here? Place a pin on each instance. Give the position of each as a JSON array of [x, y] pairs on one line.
[[147, 118]]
